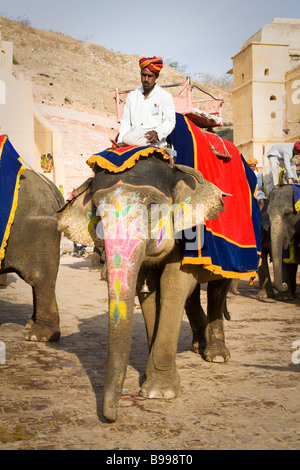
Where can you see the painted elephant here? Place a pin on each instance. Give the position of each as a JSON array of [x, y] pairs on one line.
[[33, 251], [135, 208], [285, 227]]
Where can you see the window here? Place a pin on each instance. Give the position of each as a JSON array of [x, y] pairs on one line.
[[267, 71], [273, 98]]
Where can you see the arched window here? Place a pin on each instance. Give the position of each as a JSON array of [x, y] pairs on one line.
[[2, 92], [273, 98]]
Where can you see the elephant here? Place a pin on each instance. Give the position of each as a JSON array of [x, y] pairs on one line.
[[134, 207], [285, 227], [33, 251], [266, 290]]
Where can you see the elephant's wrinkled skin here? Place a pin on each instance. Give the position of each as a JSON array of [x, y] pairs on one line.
[[135, 250], [33, 251], [285, 226]]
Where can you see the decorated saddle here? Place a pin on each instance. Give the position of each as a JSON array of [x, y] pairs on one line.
[[121, 158], [11, 169], [232, 242], [231, 245]]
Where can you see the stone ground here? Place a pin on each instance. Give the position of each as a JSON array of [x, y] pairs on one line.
[[51, 392]]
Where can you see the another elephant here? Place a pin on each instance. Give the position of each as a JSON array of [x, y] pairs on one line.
[[33, 251], [266, 290], [285, 227], [137, 208]]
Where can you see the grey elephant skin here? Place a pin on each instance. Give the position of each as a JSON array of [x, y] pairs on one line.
[[33, 251], [284, 227], [134, 252]]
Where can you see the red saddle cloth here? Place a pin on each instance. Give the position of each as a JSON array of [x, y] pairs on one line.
[[231, 245]]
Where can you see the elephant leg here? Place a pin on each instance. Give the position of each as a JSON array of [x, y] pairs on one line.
[[292, 274], [96, 259], [150, 302], [289, 273], [216, 350], [197, 319], [235, 286], [3, 280], [266, 290], [161, 378], [287, 278], [39, 270], [99, 261]]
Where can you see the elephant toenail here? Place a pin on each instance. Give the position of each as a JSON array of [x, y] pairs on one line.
[[155, 394], [169, 394]]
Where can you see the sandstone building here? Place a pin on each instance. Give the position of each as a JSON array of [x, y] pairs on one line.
[[266, 89]]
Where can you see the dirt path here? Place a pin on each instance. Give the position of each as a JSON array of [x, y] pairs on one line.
[[51, 393]]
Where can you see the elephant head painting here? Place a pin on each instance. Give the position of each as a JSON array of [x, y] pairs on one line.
[[143, 209]]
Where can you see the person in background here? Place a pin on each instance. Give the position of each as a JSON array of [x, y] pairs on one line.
[[259, 191], [280, 156], [149, 111]]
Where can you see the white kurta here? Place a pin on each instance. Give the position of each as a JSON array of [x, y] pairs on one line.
[[156, 112], [280, 156]]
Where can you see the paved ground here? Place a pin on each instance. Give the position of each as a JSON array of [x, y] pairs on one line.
[[50, 394]]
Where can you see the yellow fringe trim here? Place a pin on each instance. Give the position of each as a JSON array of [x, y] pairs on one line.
[[12, 212], [218, 270], [103, 163]]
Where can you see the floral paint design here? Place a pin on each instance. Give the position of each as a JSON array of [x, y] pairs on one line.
[[124, 229]]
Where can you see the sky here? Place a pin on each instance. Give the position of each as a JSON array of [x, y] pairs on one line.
[[201, 36]]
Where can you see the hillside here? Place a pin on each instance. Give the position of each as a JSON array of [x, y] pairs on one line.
[[63, 69], [74, 87]]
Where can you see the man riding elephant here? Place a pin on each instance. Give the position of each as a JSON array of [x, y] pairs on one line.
[[149, 111]]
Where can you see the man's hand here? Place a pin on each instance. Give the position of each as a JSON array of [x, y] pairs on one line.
[[295, 181], [122, 144], [151, 137]]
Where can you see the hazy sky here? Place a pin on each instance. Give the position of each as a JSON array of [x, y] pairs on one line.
[[201, 35]]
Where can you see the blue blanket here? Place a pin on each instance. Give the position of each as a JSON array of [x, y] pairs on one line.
[[11, 169], [231, 244], [296, 189]]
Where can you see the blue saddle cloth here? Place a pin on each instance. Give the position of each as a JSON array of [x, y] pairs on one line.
[[296, 191], [11, 169]]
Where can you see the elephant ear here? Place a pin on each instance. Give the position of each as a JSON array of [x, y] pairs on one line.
[[195, 199], [77, 219]]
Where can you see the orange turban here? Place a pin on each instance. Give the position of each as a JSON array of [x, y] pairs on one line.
[[155, 64], [252, 161]]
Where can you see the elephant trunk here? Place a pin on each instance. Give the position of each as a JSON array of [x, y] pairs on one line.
[[122, 278], [277, 244]]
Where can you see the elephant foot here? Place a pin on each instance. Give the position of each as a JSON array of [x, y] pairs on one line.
[[263, 294], [234, 286], [198, 346], [95, 269], [161, 386], [284, 296], [217, 353], [42, 333], [29, 324]]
